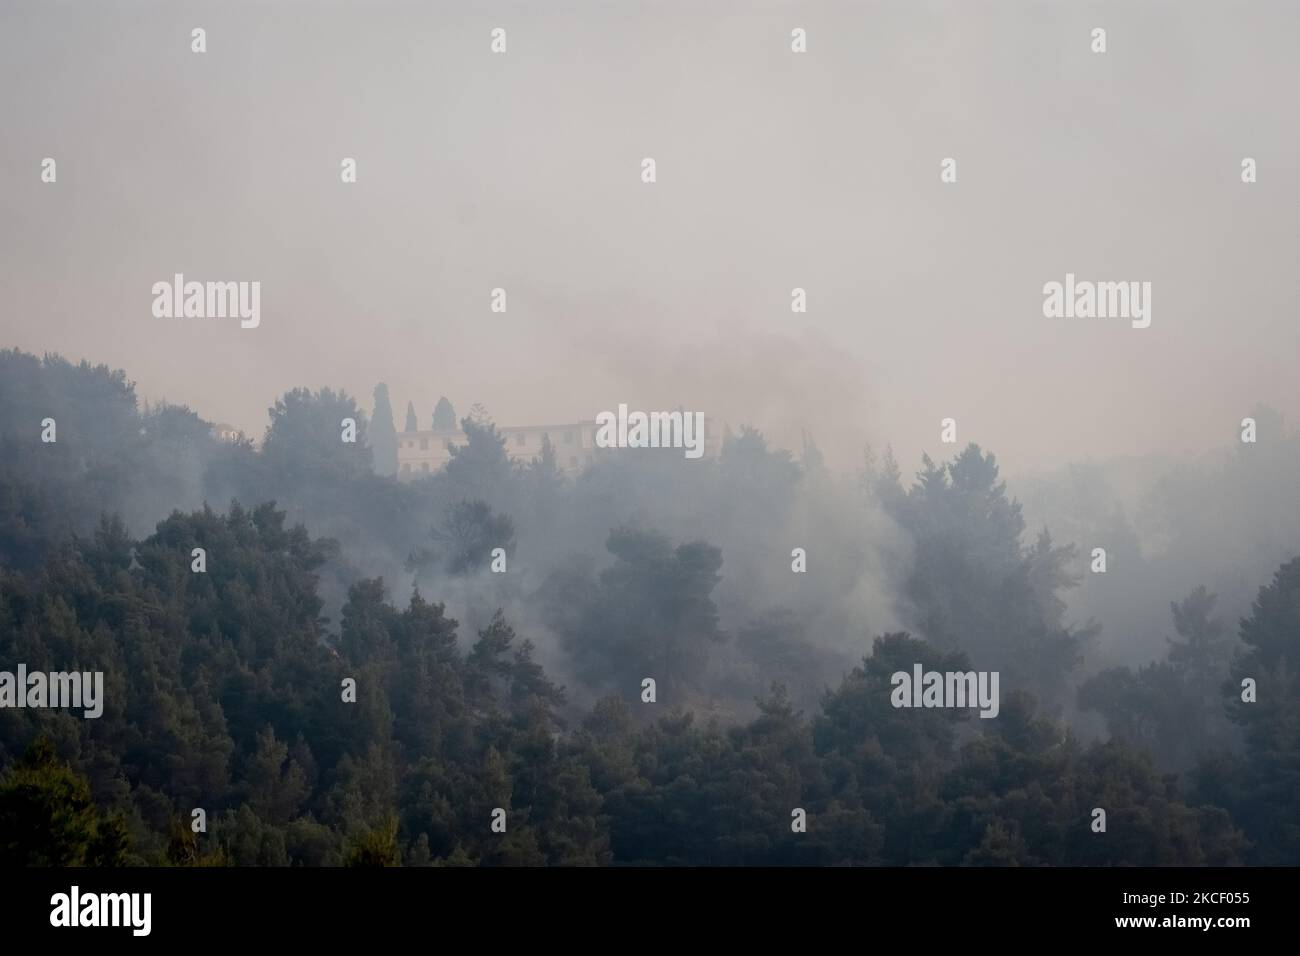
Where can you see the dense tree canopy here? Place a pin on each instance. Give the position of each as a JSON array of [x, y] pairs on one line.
[[321, 712]]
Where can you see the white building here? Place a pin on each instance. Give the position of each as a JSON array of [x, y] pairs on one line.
[[424, 452], [224, 432]]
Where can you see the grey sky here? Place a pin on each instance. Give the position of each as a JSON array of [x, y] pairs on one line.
[[775, 170]]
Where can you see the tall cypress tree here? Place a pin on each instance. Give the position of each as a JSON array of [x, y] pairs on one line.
[[412, 425], [444, 416], [383, 434]]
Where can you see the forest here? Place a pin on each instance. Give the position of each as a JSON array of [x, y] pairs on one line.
[[473, 691]]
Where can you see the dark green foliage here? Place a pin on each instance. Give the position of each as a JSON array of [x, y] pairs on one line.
[[383, 433], [444, 416], [303, 441], [1173, 707], [376, 847], [48, 818], [223, 689], [1261, 786], [651, 616], [223, 694], [464, 542], [479, 468], [974, 584]]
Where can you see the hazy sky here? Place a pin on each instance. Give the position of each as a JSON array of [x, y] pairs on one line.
[[775, 170]]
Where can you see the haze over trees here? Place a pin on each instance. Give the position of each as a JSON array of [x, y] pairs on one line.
[[476, 690], [383, 434], [444, 416]]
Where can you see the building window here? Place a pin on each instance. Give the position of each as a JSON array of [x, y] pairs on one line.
[[424, 466], [424, 444], [568, 438], [406, 466], [573, 461]]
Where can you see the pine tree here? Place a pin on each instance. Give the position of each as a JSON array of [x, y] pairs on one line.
[[1202, 657], [1270, 656], [377, 847], [544, 472], [302, 440], [48, 817]]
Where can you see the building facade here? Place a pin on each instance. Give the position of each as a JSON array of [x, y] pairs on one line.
[[224, 432], [424, 452]]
